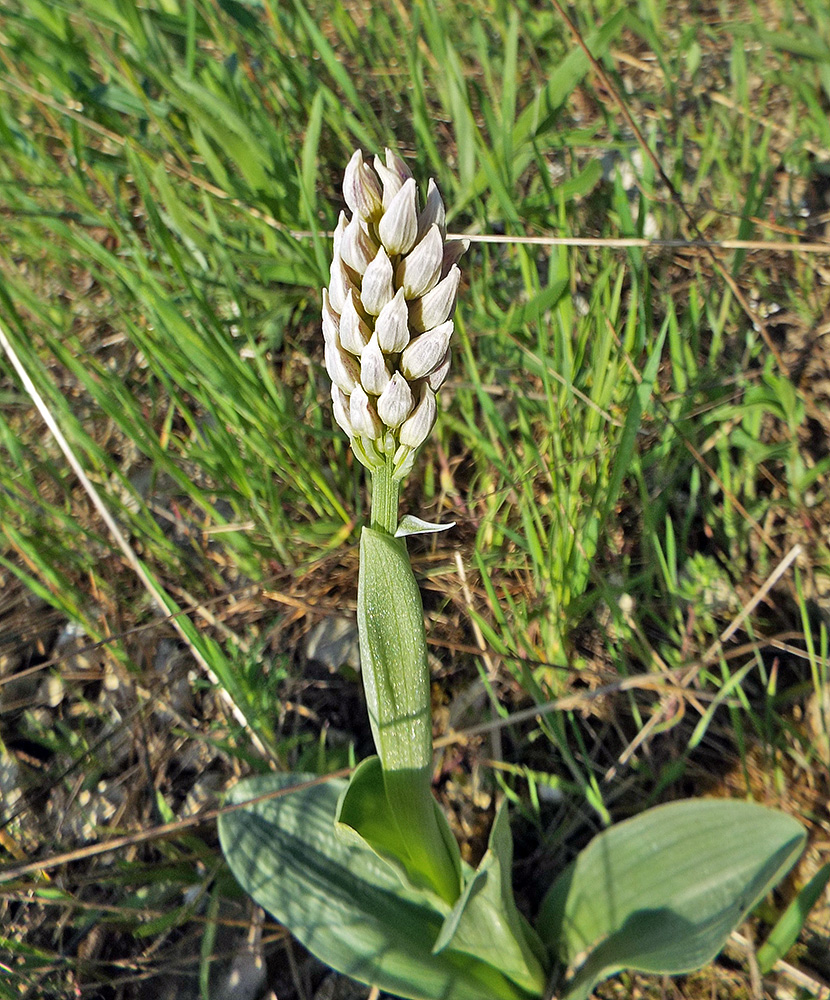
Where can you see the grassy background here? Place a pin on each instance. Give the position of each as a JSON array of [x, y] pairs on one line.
[[631, 441]]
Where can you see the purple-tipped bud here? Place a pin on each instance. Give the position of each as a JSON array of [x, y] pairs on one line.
[[377, 288], [437, 305], [433, 214], [392, 325], [394, 162], [374, 375], [391, 179], [415, 429], [420, 270], [396, 401], [354, 330], [361, 189], [425, 353], [339, 229], [357, 248], [365, 422], [399, 225]]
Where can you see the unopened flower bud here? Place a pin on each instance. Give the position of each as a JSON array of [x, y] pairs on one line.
[[425, 353], [357, 248], [354, 330], [399, 225], [438, 376], [377, 288], [362, 416], [454, 250], [392, 325], [394, 162], [339, 229], [392, 174], [437, 305], [420, 270], [343, 369], [396, 401], [392, 183], [340, 283], [340, 409], [331, 321], [433, 213], [415, 429], [361, 189], [374, 375]]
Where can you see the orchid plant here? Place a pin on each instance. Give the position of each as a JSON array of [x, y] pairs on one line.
[[367, 873]]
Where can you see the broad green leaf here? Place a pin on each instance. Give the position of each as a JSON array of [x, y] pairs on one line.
[[485, 921], [342, 903], [365, 817], [662, 892]]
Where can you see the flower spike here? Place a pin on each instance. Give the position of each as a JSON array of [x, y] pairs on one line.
[[387, 312]]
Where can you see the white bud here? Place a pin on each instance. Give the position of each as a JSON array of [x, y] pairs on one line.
[[361, 189], [399, 225], [374, 375], [392, 325], [420, 270], [340, 283], [362, 416], [339, 229], [433, 213], [340, 409], [437, 305], [377, 288], [343, 369], [416, 428], [331, 321], [357, 248], [395, 163], [454, 250], [396, 401], [425, 353], [437, 377], [354, 330], [392, 174]]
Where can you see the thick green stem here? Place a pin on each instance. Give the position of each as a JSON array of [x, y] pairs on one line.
[[393, 657], [384, 500]]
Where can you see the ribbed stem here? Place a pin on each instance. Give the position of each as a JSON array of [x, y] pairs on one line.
[[384, 499]]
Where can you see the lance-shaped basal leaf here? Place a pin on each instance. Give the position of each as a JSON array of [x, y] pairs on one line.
[[662, 892], [343, 903], [486, 923]]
